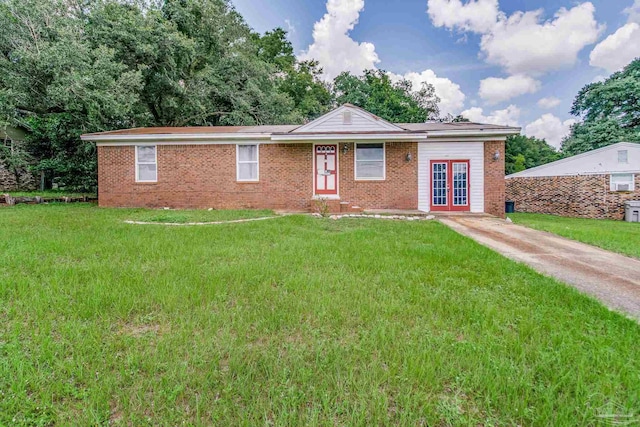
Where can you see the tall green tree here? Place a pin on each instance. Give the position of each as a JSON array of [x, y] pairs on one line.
[[57, 84], [71, 67], [299, 80], [397, 102], [610, 112], [523, 152]]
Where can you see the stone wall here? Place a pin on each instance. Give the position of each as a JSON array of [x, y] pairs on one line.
[[585, 196]]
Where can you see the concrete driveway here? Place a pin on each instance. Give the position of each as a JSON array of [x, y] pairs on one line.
[[613, 279]]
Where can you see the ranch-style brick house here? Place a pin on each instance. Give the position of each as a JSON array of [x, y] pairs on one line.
[[349, 158]]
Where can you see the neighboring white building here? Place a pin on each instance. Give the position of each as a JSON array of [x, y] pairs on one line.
[[594, 184], [620, 158]]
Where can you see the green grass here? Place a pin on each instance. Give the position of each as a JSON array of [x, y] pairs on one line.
[[617, 236], [184, 216], [293, 321], [47, 194]]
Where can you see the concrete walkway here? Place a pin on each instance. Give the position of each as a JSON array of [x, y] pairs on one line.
[[613, 279]]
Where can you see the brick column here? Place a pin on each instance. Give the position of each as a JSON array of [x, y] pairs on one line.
[[494, 182]]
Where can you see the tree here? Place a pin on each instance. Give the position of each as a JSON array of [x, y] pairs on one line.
[[523, 152], [71, 67], [58, 85], [396, 102], [610, 112], [299, 80]]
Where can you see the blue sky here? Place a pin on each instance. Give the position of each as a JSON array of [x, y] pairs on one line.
[[511, 62]]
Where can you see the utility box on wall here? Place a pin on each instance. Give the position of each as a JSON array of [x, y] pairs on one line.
[[632, 211]]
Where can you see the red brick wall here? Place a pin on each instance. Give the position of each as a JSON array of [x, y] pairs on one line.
[[398, 191], [203, 176], [586, 196], [494, 186]]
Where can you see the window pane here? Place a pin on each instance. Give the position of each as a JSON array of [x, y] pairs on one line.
[[369, 152], [370, 169], [622, 178], [146, 154], [147, 172], [247, 153], [248, 171]]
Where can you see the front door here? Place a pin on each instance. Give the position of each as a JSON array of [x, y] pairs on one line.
[[326, 170], [450, 185]]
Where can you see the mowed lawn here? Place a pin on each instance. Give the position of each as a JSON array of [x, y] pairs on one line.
[[293, 321], [616, 236]]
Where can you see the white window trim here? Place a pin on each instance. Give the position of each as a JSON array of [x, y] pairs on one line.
[[384, 161], [138, 163], [631, 182], [256, 161]]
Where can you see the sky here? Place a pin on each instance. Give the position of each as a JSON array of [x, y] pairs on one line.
[[511, 62]]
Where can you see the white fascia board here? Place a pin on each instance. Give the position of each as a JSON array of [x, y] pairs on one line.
[[350, 137], [473, 133], [204, 138], [479, 138]]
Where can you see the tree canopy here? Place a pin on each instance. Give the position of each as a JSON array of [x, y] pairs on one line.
[[610, 112], [523, 152], [397, 102]]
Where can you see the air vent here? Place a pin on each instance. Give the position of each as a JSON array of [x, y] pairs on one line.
[[346, 118], [623, 156]]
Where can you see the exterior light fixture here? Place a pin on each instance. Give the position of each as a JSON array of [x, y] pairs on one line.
[[409, 157], [345, 148], [496, 156]]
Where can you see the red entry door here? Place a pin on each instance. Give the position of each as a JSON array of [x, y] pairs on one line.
[[450, 185], [326, 169]]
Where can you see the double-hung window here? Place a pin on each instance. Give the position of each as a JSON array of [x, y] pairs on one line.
[[146, 163], [247, 162], [370, 159]]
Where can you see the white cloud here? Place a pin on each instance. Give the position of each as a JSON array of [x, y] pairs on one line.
[[332, 46], [508, 117], [495, 90], [477, 15], [451, 97], [291, 28], [633, 11], [549, 128], [549, 102], [524, 44], [617, 50]]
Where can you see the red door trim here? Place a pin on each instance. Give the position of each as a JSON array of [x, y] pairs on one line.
[[450, 207], [324, 192]]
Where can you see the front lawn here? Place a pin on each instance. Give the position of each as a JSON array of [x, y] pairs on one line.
[[293, 321], [191, 216], [617, 236]]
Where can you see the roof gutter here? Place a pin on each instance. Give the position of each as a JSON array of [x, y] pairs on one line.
[[474, 133], [406, 137], [174, 137]]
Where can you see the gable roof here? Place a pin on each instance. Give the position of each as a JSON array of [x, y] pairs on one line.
[[598, 161], [361, 120], [364, 125]]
